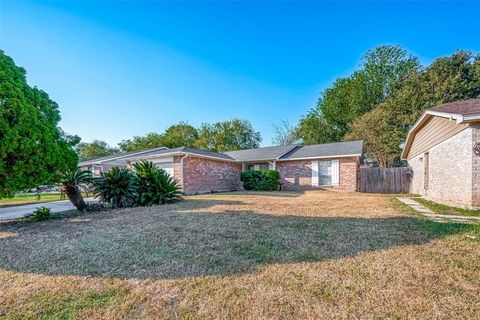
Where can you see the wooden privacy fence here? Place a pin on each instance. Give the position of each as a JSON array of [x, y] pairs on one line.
[[385, 180]]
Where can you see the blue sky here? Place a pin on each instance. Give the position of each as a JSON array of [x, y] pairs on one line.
[[119, 69]]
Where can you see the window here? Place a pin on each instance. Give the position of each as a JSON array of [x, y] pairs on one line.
[[325, 173]]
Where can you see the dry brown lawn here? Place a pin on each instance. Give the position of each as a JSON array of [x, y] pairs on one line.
[[243, 256]]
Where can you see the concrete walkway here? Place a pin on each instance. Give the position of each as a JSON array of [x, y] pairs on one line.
[[21, 211], [434, 216]]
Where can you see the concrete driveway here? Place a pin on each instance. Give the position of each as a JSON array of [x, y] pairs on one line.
[[21, 211]]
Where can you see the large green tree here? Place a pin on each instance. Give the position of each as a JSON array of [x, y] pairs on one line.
[[94, 149], [383, 69], [447, 79], [228, 135], [180, 135], [150, 140], [33, 149], [314, 129]]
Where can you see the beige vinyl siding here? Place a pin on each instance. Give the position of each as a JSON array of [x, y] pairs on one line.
[[432, 133]]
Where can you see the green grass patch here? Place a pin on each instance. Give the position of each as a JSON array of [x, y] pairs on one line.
[[261, 251], [29, 199], [23, 199], [442, 229], [57, 306], [444, 209]]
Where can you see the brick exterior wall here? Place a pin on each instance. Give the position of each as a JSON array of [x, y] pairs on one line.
[[297, 174], [177, 169], [201, 175], [416, 183], [452, 171], [475, 168]]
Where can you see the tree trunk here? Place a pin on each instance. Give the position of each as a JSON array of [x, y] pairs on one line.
[[75, 197]]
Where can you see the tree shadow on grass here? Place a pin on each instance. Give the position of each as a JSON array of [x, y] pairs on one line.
[[171, 242]]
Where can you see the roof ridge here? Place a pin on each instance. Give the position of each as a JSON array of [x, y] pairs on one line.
[[323, 144], [284, 145]]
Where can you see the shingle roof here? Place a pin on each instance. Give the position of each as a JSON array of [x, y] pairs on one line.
[[287, 152], [326, 150], [261, 154], [465, 107], [199, 152], [118, 156], [207, 153]]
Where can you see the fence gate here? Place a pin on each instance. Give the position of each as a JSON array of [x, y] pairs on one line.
[[385, 180]]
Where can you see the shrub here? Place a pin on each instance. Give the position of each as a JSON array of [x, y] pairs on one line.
[[261, 180], [250, 179], [155, 186], [271, 181], [117, 187], [40, 214]]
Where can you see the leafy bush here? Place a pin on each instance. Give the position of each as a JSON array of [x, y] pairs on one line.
[[117, 187], [40, 214], [271, 181], [155, 186], [261, 180], [250, 179]]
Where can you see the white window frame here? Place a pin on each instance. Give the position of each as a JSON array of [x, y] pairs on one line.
[[335, 172]]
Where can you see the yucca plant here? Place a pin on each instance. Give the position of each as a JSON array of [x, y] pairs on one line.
[[73, 183], [155, 186], [117, 187]]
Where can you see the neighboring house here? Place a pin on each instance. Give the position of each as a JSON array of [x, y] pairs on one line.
[[333, 165], [102, 164], [443, 151]]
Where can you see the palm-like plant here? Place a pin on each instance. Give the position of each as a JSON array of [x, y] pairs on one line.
[[73, 183], [155, 186], [117, 187], [165, 189]]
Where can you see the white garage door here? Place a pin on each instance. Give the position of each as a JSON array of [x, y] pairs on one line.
[[167, 166]]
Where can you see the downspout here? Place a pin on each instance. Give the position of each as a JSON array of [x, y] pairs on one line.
[[181, 173]]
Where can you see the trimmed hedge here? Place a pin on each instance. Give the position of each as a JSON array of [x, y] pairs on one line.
[[261, 180]]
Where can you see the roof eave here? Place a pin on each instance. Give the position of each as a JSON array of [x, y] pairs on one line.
[[323, 157], [451, 116], [470, 118], [257, 160], [90, 162], [423, 118], [180, 153]]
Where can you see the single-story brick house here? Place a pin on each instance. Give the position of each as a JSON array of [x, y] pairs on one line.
[[101, 164], [443, 151], [332, 165]]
